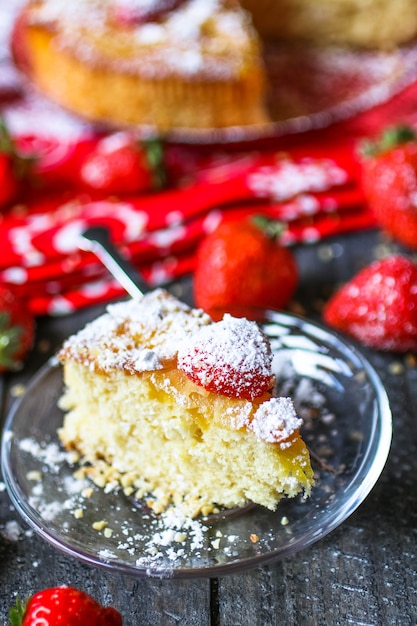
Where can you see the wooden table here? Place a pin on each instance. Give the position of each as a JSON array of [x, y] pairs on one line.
[[364, 572]]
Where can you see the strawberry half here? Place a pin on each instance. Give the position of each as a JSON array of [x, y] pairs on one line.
[[389, 181], [231, 357], [17, 327], [63, 606], [379, 305]]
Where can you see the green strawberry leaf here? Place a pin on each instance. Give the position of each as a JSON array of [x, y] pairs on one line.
[[10, 342], [6, 142], [270, 227], [391, 138], [17, 613], [155, 157], [22, 164]]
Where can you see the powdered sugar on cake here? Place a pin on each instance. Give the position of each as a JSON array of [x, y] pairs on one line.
[[232, 357], [193, 39], [275, 420], [234, 342], [136, 335]]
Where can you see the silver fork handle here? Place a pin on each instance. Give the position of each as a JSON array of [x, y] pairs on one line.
[[97, 239]]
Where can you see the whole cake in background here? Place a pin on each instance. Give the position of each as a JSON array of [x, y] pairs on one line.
[[180, 410], [382, 24], [158, 63], [165, 65]]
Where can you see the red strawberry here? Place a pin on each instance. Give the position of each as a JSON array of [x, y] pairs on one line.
[[16, 330], [119, 165], [389, 180], [379, 305], [242, 264], [63, 606], [231, 357], [13, 168], [128, 13], [9, 186]]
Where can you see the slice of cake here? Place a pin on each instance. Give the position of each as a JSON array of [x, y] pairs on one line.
[[179, 409], [166, 64]]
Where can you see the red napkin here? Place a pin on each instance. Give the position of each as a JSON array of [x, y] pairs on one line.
[[315, 195]]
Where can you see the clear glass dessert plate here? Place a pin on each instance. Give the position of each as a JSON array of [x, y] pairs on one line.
[[347, 427]]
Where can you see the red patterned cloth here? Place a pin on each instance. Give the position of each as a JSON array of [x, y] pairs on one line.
[[308, 180]]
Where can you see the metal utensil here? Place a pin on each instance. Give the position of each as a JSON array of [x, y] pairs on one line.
[[97, 239]]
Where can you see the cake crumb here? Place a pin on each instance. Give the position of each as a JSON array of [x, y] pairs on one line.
[[11, 531], [18, 390], [396, 368], [411, 360], [34, 475], [44, 346], [254, 538], [100, 525]]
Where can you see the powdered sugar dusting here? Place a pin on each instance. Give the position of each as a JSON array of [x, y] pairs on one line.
[[117, 532], [193, 39], [52, 456], [232, 357], [276, 420], [135, 335]]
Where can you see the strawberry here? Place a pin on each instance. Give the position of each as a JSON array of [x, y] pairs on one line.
[[389, 181], [378, 306], [9, 186], [231, 357], [13, 168], [130, 14], [242, 263], [120, 165], [63, 606], [17, 328]]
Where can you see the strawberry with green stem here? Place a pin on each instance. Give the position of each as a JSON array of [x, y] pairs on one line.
[[63, 606], [121, 165], [13, 167], [243, 264], [389, 181], [17, 327]]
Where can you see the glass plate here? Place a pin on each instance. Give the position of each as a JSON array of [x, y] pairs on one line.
[[312, 87], [347, 428]]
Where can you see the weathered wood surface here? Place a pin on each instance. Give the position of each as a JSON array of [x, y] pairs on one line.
[[363, 573]]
